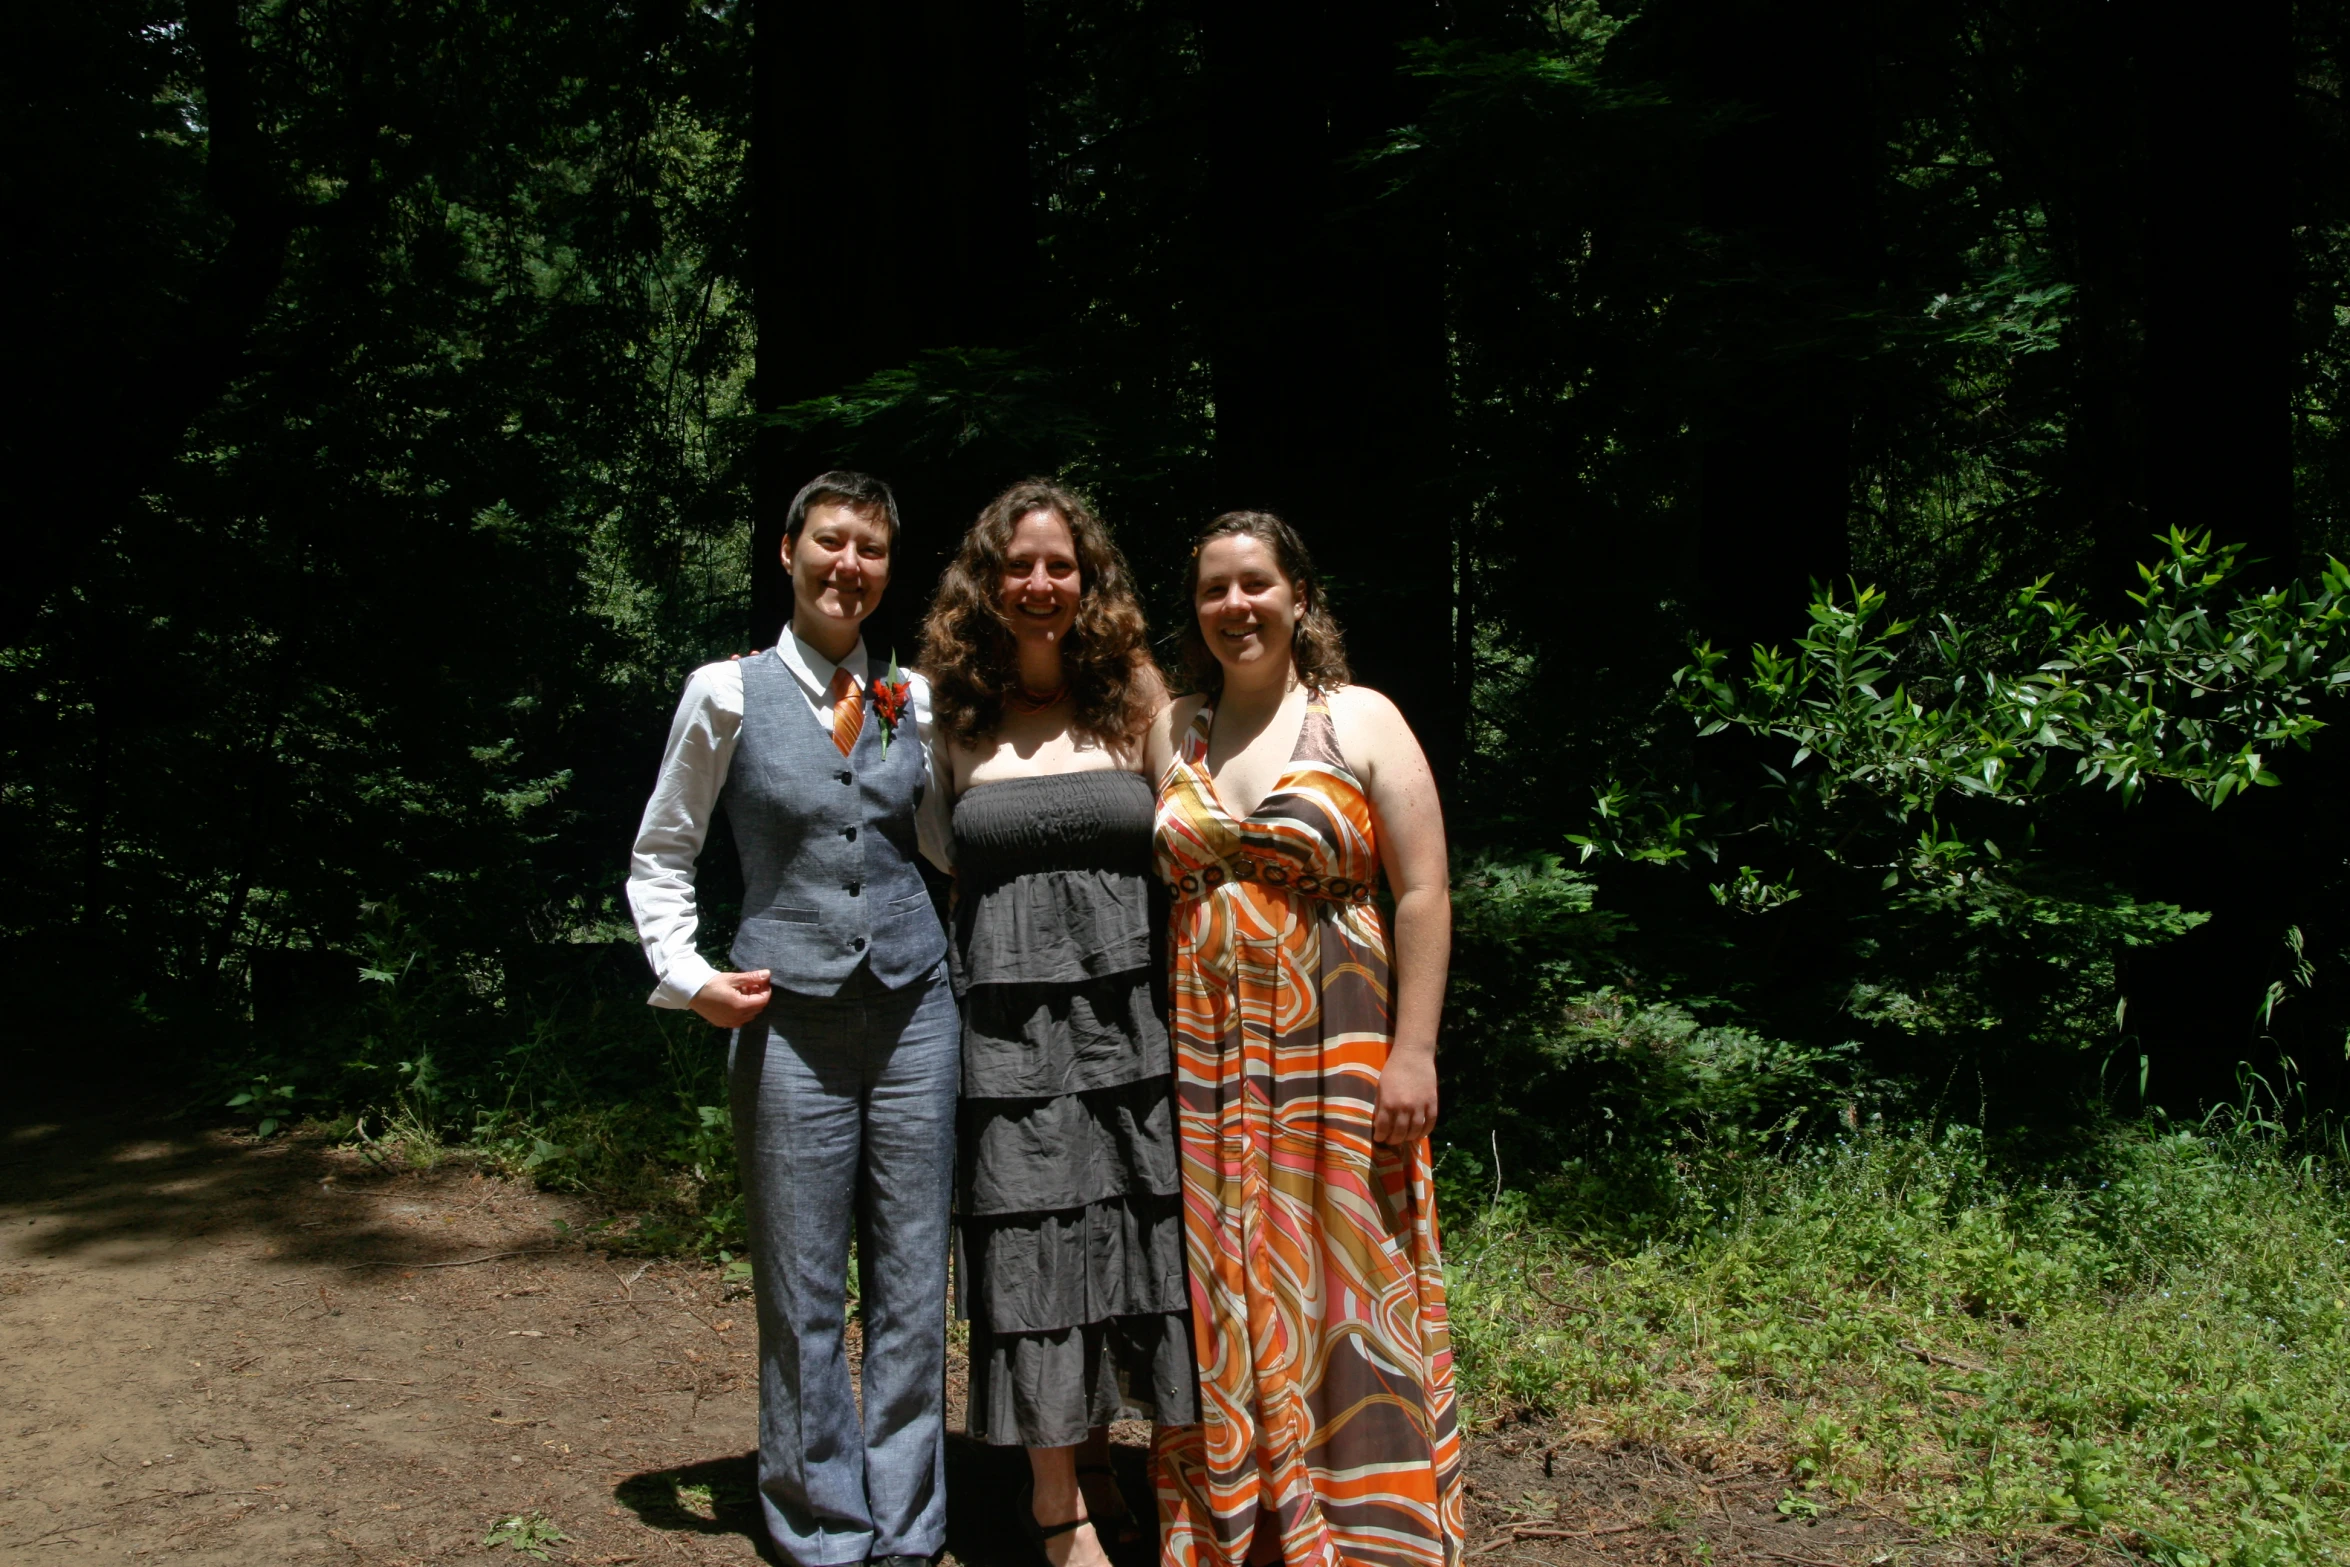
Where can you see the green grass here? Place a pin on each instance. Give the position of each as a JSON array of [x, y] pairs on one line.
[[2156, 1355]]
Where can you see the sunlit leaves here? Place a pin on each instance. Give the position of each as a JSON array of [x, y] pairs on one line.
[[2201, 691]]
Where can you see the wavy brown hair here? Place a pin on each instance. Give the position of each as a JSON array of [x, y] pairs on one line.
[[967, 648], [1316, 646]]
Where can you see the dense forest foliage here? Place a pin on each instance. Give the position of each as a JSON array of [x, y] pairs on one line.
[[1734, 432]]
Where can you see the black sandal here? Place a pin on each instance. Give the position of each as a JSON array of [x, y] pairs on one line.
[[1038, 1533], [1122, 1523]]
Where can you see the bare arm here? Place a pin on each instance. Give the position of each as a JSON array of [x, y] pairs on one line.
[[1409, 820], [1142, 750], [1159, 745]]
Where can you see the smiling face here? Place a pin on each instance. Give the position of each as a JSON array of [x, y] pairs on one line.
[[839, 564], [1041, 581], [1247, 606]]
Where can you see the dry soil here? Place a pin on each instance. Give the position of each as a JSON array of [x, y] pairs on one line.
[[216, 1350]]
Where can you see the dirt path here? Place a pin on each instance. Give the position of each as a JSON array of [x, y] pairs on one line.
[[222, 1352]]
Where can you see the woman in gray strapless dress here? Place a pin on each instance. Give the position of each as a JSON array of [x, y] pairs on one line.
[[1069, 1227], [1070, 1200]]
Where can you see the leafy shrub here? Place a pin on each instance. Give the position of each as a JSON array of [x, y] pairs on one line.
[[1614, 1106], [1935, 809]]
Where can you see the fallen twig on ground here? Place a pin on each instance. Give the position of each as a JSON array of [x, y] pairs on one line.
[[1934, 1357], [1544, 1531], [530, 1251]]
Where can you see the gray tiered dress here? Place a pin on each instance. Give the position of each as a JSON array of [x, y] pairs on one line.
[[1069, 1224]]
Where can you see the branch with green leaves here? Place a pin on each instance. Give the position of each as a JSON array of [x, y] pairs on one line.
[[1891, 722]]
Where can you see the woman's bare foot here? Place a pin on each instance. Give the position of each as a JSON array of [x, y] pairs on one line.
[[1078, 1547], [1106, 1505], [1105, 1501], [1056, 1500]]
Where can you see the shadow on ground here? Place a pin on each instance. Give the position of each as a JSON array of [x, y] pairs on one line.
[[718, 1496], [984, 1487], [95, 1187]]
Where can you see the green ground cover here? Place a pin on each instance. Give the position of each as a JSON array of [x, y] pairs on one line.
[[2153, 1351], [2148, 1347], [2139, 1336]]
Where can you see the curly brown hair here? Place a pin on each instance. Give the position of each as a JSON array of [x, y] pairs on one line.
[[1316, 646], [967, 647]]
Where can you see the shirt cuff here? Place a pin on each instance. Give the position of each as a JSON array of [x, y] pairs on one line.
[[682, 983]]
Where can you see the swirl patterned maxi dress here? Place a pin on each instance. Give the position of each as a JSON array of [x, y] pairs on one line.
[[1317, 1296], [1070, 1239]]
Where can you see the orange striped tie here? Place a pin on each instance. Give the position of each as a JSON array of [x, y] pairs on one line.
[[848, 710]]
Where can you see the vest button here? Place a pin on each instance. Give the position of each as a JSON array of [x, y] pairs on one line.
[[849, 833], [848, 777], [856, 943], [856, 888]]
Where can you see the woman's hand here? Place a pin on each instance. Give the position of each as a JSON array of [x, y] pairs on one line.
[[1407, 1096], [731, 1000]]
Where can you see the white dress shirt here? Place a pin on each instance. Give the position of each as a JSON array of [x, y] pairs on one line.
[[693, 770]]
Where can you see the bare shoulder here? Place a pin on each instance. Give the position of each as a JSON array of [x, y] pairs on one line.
[[1158, 740], [1152, 687], [1362, 705], [1369, 725], [968, 753], [1185, 708], [1373, 734]]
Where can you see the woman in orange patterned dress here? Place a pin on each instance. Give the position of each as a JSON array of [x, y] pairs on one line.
[[1306, 1086]]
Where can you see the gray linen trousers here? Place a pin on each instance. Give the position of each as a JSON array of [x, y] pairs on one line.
[[843, 1094]]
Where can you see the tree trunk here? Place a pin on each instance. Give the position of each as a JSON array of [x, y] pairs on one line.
[[2219, 285], [1792, 192], [173, 374], [889, 147], [1328, 334]]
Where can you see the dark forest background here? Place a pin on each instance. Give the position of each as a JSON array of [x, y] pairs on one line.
[[407, 396]]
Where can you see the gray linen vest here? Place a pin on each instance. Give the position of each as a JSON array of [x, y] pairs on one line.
[[827, 844]]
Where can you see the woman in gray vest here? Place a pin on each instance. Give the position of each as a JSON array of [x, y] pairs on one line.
[[844, 1063], [1070, 1230]]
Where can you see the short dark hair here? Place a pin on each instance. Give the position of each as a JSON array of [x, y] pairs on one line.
[[842, 487]]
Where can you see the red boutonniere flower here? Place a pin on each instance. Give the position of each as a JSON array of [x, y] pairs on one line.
[[891, 697]]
